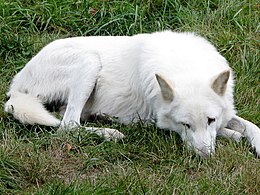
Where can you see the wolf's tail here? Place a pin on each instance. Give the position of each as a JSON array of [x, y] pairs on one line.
[[29, 110]]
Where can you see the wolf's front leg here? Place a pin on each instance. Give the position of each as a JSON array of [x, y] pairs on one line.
[[248, 129], [228, 133]]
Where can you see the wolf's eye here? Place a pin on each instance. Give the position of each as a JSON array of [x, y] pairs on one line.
[[211, 120], [186, 125]]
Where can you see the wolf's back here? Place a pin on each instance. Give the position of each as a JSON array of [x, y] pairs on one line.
[[29, 110]]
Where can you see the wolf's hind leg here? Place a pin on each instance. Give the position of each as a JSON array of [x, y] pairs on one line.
[[74, 107], [81, 86], [248, 129], [228, 133]]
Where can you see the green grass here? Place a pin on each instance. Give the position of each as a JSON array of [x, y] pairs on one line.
[[38, 160]]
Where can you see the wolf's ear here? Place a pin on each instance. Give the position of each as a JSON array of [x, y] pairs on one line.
[[219, 83], [166, 89]]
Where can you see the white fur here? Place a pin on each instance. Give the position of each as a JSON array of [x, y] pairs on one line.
[[116, 76], [35, 113]]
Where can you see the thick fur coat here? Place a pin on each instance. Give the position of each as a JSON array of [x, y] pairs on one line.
[[178, 80]]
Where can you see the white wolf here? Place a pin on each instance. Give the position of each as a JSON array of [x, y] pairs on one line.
[[178, 80]]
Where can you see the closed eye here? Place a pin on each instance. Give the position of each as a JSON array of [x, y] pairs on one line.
[[186, 125], [211, 120]]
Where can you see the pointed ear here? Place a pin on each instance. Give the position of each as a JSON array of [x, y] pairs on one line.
[[166, 89], [219, 83]]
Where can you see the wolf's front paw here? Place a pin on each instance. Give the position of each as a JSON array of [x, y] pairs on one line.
[[253, 136], [256, 145], [251, 132]]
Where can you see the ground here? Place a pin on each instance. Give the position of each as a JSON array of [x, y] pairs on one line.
[[40, 160]]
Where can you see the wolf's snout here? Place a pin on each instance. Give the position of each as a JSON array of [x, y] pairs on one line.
[[202, 142], [204, 151]]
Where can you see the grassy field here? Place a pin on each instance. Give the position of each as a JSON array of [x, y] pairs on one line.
[[38, 160]]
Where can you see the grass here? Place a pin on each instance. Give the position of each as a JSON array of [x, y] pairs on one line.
[[39, 160]]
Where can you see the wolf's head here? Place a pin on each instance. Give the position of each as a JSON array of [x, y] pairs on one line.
[[195, 111]]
